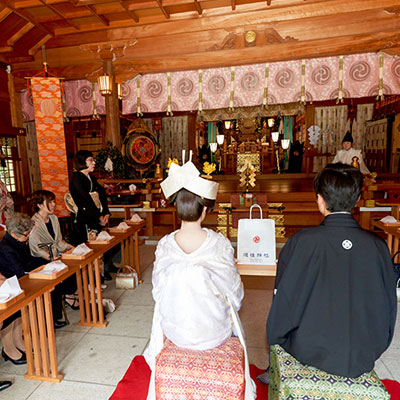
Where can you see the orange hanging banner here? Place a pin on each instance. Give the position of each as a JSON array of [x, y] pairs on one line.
[[50, 138]]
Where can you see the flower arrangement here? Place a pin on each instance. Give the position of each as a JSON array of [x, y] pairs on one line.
[[110, 161], [209, 168]]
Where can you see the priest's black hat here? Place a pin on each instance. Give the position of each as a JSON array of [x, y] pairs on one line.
[[347, 137]]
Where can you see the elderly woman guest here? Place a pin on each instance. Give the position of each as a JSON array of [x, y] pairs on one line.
[[47, 230], [15, 255], [193, 271], [15, 259]]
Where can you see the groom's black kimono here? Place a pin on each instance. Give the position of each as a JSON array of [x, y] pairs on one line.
[[335, 299]]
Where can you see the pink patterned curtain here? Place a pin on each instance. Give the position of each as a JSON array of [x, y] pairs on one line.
[[321, 82]]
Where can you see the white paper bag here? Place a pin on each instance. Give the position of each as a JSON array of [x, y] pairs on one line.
[[256, 240]]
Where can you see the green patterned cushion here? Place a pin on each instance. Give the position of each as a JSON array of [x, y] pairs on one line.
[[289, 379]]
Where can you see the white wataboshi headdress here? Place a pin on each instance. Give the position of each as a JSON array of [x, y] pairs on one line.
[[188, 177]]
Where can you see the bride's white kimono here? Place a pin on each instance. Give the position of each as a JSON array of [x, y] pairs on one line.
[[195, 295]]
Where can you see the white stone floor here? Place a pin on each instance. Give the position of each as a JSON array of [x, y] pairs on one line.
[[93, 360]]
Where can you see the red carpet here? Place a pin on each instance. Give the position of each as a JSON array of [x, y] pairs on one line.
[[134, 384]]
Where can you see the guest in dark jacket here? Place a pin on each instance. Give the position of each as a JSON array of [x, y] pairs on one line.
[[88, 195], [15, 256], [91, 200], [15, 259]]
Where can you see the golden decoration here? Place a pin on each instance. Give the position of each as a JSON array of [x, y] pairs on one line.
[[250, 36], [278, 218], [209, 168], [172, 160], [280, 232], [355, 163]]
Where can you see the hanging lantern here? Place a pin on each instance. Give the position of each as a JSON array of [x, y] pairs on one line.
[[285, 144], [105, 84], [275, 136], [227, 125], [271, 122], [213, 147], [220, 139]]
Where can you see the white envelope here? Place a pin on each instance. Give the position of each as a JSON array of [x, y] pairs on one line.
[[123, 225], [9, 289], [103, 235], [53, 267], [81, 250]]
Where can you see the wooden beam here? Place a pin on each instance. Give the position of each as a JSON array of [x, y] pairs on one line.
[[101, 18], [306, 29], [4, 13], [164, 11], [18, 35], [21, 59], [23, 14], [268, 2], [233, 4], [61, 15], [32, 51], [271, 53], [129, 12], [224, 19], [198, 7], [6, 49]]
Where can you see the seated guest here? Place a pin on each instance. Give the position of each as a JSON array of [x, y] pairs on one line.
[[193, 271], [346, 155], [334, 305], [15, 256], [11, 337], [47, 227], [47, 231], [91, 200]]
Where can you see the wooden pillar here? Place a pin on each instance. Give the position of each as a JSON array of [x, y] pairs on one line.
[[113, 134], [16, 120], [309, 121]]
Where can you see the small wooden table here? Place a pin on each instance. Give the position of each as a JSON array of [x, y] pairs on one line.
[[36, 309], [126, 207], [393, 235], [256, 270], [38, 326]]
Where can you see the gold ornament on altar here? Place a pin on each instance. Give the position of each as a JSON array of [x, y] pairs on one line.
[[209, 168], [355, 163], [247, 174], [172, 160], [158, 173]]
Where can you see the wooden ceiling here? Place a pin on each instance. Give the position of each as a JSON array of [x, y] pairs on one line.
[[149, 36]]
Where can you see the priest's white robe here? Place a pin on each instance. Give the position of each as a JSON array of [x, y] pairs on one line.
[[346, 157]]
